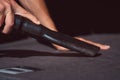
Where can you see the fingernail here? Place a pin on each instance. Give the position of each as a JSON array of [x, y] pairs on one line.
[[37, 22], [6, 31], [107, 46]]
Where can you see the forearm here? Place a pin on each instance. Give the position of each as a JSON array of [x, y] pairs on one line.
[[39, 9]]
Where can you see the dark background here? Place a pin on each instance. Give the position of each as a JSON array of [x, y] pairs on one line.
[[85, 16]]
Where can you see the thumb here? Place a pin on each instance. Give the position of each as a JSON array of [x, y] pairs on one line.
[[22, 12]]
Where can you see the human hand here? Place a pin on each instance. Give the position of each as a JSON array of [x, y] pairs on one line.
[[101, 46], [8, 8]]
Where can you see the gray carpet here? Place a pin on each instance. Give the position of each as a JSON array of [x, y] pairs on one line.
[[59, 65]]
